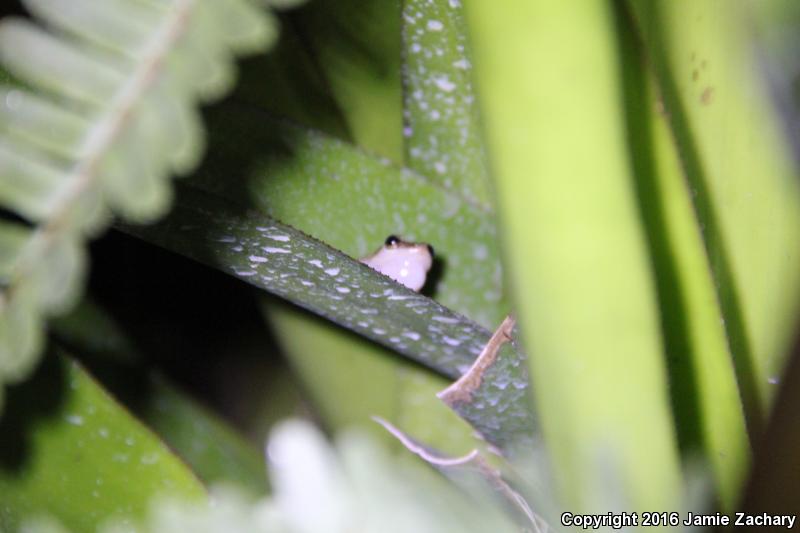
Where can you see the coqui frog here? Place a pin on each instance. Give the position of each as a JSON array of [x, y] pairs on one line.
[[405, 262]]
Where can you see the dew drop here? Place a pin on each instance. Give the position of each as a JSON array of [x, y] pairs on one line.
[[435, 25]]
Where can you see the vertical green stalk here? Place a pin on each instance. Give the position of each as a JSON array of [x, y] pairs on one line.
[[707, 408], [743, 181], [548, 75], [440, 111]]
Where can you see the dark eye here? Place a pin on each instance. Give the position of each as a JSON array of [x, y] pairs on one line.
[[392, 240], [430, 249]]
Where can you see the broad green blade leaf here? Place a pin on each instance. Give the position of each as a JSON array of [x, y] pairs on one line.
[[356, 44], [93, 92], [353, 201], [69, 450], [581, 275], [440, 111], [333, 363], [353, 483], [296, 267], [494, 394], [89, 331], [350, 384], [288, 83], [743, 181], [283, 260], [708, 411], [205, 442], [349, 380], [358, 200], [214, 451]]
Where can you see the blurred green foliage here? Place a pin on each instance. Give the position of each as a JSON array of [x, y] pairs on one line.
[[621, 175]]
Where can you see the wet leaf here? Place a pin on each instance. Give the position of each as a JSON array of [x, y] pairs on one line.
[[283, 260], [440, 111], [69, 450], [288, 263]]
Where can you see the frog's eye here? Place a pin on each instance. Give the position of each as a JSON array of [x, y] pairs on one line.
[[392, 240]]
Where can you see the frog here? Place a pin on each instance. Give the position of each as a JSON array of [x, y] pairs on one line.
[[408, 263]]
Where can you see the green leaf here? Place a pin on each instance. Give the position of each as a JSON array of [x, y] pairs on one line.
[[67, 449], [289, 84], [742, 177], [443, 143], [494, 394], [705, 395], [354, 482], [357, 201], [285, 261], [91, 332], [577, 255], [333, 363], [350, 380], [101, 114], [307, 272], [213, 449], [441, 130], [356, 44]]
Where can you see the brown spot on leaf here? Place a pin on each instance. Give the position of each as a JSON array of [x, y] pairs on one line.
[[695, 75], [707, 95]]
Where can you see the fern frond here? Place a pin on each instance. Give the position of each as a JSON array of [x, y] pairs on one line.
[[103, 112]]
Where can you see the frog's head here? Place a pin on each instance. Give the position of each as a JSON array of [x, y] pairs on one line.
[[405, 262]]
